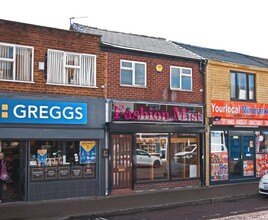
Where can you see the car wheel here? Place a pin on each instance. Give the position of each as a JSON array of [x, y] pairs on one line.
[[156, 163]]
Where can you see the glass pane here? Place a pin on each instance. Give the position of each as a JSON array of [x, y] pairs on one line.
[[71, 156], [175, 78], [72, 60], [187, 71], [126, 77], [87, 71], [251, 82], [186, 83], [139, 74], [150, 156], [127, 64], [184, 155], [6, 52], [6, 70], [72, 76], [23, 64], [233, 85], [242, 86]]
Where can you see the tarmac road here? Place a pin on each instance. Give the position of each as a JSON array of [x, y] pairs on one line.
[[246, 208]]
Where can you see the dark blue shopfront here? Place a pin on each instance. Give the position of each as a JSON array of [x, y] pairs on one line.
[[58, 142]]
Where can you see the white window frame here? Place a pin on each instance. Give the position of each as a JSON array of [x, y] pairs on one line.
[[133, 73], [14, 63], [61, 73], [181, 76]]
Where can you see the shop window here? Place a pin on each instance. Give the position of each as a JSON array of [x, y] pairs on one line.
[[155, 159], [184, 156], [150, 156], [60, 160], [242, 86], [218, 156], [261, 140]]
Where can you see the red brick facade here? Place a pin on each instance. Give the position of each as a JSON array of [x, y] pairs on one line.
[[44, 38], [158, 83]]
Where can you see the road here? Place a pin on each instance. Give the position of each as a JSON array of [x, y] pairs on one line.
[[250, 208]]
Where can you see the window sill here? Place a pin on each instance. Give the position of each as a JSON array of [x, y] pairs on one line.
[[15, 81], [134, 86], [72, 85]]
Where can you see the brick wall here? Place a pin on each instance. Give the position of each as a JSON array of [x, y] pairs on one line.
[[167, 185], [43, 38], [158, 84]]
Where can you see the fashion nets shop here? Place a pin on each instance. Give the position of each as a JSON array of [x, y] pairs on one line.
[[155, 145], [238, 141], [52, 146]]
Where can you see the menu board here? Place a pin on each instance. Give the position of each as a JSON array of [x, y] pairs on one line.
[[37, 174], [219, 166], [64, 172], [76, 172], [89, 171], [51, 173]]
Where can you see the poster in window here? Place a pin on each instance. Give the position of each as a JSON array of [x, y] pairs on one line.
[[87, 152], [64, 172], [37, 174], [89, 171], [41, 157], [51, 173], [219, 166], [248, 167], [76, 171], [261, 164]]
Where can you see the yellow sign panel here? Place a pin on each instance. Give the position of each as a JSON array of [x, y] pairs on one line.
[[87, 145]]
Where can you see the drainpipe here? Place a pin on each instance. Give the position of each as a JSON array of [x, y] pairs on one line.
[[202, 69], [107, 119]]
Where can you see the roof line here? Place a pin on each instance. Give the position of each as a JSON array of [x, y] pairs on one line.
[[148, 51]]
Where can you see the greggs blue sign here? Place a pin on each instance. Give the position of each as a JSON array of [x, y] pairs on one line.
[[42, 112]]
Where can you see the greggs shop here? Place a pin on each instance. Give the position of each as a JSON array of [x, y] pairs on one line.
[[238, 141], [155, 145], [52, 147]]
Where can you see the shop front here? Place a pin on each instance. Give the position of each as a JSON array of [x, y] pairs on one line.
[[52, 147], [238, 141], [155, 145]]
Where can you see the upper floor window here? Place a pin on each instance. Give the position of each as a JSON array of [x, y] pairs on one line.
[[71, 68], [132, 73], [16, 62], [242, 86], [181, 78]]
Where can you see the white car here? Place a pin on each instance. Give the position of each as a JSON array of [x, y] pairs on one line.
[[143, 158], [189, 153], [263, 185]]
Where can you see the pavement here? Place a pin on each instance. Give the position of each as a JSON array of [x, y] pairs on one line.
[[112, 205]]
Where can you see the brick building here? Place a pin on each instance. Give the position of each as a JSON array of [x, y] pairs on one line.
[[52, 86], [155, 130]]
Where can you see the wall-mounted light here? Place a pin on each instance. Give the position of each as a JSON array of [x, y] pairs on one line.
[[159, 68]]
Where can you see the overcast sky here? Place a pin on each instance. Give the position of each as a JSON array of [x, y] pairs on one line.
[[232, 25]]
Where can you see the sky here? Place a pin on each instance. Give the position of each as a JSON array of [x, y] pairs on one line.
[[232, 25]]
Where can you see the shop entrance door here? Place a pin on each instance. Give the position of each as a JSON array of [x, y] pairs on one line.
[[15, 154], [121, 162], [241, 163]]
